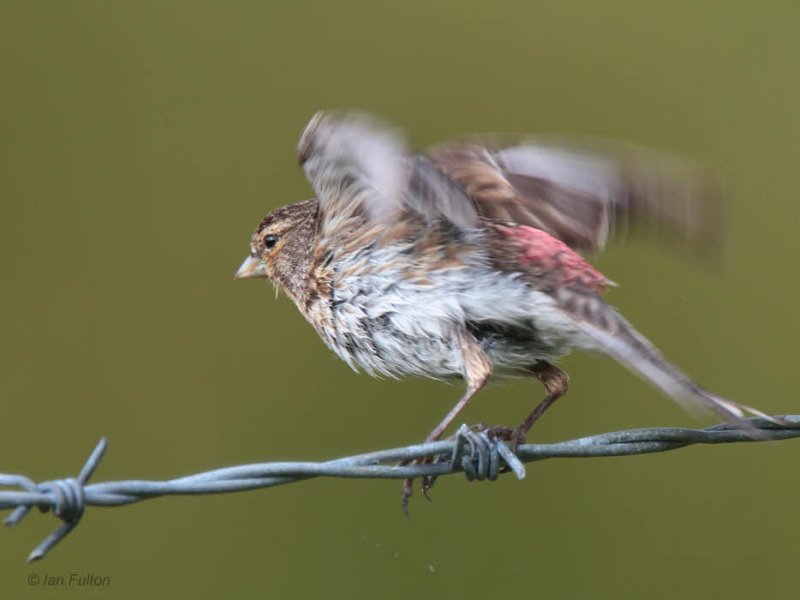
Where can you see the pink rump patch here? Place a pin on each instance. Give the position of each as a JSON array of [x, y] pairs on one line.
[[560, 264]]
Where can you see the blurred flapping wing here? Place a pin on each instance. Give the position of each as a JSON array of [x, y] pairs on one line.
[[360, 168], [580, 193], [584, 193]]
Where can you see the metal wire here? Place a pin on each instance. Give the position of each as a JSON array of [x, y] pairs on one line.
[[473, 453]]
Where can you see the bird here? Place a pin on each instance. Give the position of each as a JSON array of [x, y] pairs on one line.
[[466, 261]]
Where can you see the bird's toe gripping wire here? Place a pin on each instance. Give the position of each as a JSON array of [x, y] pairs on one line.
[[480, 455]]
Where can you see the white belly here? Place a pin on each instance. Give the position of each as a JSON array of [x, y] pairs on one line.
[[388, 324]]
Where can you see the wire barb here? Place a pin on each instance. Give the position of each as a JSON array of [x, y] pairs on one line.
[[65, 497], [473, 453], [484, 456]]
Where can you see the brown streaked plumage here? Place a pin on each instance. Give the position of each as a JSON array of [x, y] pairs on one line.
[[464, 262]]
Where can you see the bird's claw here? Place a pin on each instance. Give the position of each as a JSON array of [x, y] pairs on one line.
[[515, 437], [408, 484], [481, 452]]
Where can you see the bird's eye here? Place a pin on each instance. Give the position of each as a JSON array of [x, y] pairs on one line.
[[270, 241]]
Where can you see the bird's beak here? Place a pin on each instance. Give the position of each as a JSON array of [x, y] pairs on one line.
[[251, 267]]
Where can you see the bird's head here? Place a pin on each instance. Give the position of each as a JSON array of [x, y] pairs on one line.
[[281, 247]]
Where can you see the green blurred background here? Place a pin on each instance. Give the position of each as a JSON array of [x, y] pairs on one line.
[[141, 142]]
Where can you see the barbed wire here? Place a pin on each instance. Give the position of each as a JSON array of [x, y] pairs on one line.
[[470, 452]]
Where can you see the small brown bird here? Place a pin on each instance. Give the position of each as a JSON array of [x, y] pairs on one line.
[[463, 262]]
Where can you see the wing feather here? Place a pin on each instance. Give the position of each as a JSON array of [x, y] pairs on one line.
[[580, 193], [360, 168], [584, 194]]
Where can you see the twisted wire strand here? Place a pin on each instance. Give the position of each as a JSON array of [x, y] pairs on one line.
[[468, 451]]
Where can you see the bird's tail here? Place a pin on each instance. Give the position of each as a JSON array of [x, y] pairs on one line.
[[614, 336]]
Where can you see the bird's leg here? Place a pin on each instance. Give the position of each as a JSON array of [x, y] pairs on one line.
[[555, 382], [477, 370]]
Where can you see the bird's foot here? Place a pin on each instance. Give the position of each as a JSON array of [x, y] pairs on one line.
[[514, 436], [483, 454], [480, 451], [408, 483]]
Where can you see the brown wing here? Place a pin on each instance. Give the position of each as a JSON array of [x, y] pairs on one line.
[[356, 166], [361, 170], [582, 195]]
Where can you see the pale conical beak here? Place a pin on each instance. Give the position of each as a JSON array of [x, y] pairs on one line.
[[251, 267]]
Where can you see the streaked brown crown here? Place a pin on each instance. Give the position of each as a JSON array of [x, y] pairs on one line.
[[283, 241]]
